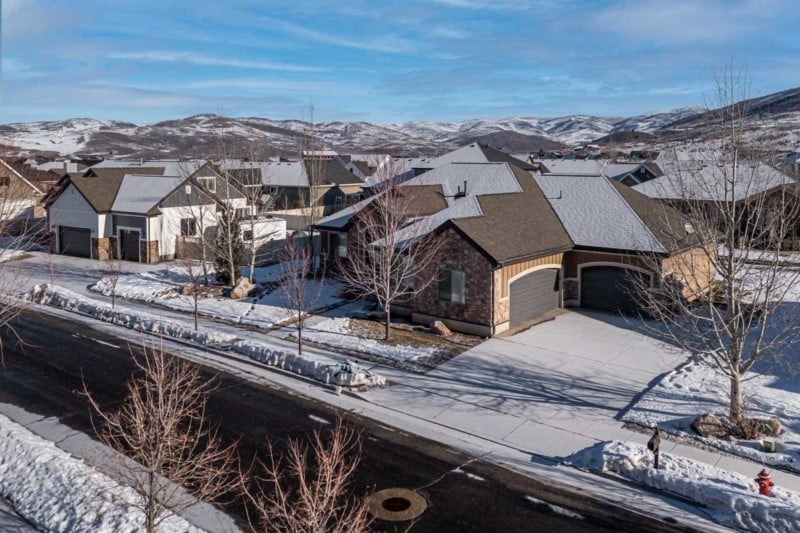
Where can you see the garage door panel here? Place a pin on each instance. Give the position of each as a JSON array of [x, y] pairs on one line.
[[74, 241], [533, 295], [610, 288]]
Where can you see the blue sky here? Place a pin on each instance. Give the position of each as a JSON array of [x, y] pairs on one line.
[[384, 61]]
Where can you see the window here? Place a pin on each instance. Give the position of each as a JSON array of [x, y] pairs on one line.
[[5, 181], [209, 183], [188, 227], [247, 235], [341, 245], [273, 189], [451, 283], [243, 213], [338, 202]]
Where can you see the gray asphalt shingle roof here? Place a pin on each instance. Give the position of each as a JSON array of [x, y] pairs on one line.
[[596, 215], [697, 180], [141, 194]]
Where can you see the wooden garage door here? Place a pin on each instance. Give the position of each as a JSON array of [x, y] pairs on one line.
[[534, 294], [74, 241], [610, 288]]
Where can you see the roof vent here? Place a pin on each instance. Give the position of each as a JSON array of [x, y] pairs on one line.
[[461, 193]]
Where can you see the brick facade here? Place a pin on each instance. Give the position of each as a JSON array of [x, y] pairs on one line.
[[103, 248], [477, 306]]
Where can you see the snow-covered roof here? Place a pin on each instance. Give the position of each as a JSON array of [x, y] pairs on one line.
[[140, 194], [172, 167], [481, 178], [596, 215], [284, 174], [686, 179], [573, 167]]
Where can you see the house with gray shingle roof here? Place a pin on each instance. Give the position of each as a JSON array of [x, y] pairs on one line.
[[142, 211], [520, 245]]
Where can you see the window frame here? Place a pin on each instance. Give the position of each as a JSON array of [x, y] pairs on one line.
[[191, 224], [453, 289]]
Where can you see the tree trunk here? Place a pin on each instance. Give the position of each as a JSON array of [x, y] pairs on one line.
[[203, 258], [195, 308], [388, 323], [299, 338], [736, 412]]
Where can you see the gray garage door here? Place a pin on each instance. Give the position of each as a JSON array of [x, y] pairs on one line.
[[534, 294], [74, 241], [610, 288]]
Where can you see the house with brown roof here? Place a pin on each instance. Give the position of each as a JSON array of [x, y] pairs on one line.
[[520, 245], [137, 211]]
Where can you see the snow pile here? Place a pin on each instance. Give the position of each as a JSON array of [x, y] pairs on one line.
[[347, 374], [65, 299], [57, 492], [731, 498], [694, 388], [337, 333]]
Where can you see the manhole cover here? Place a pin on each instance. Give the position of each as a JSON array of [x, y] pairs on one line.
[[396, 505]]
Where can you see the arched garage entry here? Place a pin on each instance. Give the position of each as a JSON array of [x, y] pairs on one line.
[[534, 294], [611, 286]]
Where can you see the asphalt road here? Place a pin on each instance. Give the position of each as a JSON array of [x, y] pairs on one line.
[[44, 373]]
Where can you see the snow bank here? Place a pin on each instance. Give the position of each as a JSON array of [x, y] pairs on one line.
[[346, 374], [140, 321], [336, 333], [57, 492], [731, 498], [317, 367]]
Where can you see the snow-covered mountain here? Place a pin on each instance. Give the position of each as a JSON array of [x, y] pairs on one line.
[[200, 135]]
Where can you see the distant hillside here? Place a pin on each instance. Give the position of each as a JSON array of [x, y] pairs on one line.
[[199, 135]]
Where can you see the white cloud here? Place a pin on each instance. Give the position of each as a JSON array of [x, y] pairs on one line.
[[160, 56], [386, 43]]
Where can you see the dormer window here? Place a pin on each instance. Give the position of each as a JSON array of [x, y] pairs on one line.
[[208, 183]]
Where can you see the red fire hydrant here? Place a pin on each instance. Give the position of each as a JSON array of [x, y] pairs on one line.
[[765, 483]]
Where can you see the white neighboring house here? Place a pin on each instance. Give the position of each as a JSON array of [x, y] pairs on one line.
[[137, 211], [268, 232]]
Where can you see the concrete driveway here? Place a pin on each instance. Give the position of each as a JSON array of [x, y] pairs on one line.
[[550, 390]]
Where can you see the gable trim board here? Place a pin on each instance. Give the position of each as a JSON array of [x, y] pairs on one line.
[[20, 176]]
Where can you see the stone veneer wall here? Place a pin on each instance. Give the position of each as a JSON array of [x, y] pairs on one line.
[[477, 306], [149, 251]]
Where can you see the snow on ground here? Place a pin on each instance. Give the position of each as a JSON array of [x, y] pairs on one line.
[[316, 367], [57, 492], [693, 389], [336, 333], [787, 258], [71, 301], [772, 390], [731, 498], [163, 287]]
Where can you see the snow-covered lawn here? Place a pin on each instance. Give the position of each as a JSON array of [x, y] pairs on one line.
[[337, 333], [57, 492], [693, 389], [772, 390], [731, 498], [757, 256], [163, 287]]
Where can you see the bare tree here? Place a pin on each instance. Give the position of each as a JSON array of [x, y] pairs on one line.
[[197, 280], [20, 228], [308, 490], [114, 269], [742, 215], [300, 289], [387, 257], [175, 458]]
